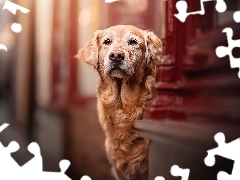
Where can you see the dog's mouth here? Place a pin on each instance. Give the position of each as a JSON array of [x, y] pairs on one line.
[[117, 72]]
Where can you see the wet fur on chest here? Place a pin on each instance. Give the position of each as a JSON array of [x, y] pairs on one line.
[[119, 106]]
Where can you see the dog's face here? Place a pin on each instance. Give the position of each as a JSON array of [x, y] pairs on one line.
[[121, 51]]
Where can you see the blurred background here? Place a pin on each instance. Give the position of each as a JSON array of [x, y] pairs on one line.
[[49, 97]]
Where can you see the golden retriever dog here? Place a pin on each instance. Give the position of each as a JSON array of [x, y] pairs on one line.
[[125, 58]]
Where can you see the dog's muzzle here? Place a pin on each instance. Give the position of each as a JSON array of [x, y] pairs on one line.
[[116, 58]]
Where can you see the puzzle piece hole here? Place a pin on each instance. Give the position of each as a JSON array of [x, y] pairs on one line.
[[221, 164], [22, 156], [236, 52], [231, 5]]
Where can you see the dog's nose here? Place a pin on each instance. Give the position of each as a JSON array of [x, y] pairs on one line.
[[116, 55]]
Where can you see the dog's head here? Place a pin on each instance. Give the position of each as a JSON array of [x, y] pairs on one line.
[[122, 51]]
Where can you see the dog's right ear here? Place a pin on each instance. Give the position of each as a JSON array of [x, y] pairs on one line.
[[154, 47], [89, 53]]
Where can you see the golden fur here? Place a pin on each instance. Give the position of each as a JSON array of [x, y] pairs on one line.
[[124, 88]]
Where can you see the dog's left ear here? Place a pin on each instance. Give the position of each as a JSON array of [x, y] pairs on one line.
[[153, 54], [154, 47], [89, 53]]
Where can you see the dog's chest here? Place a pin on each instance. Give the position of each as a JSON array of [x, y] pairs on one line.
[[127, 152], [123, 118]]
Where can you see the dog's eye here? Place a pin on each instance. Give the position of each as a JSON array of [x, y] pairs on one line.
[[107, 41], [132, 42]]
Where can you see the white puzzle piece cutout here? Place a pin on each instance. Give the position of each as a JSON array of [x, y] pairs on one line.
[[17, 28], [36, 163], [236, 16], [12, 7], [222, 51], [3, 47], [177, 171], [86, 178], [230, 151], [3, 126], [33, 169], [7, 163], [159, 178], [182, 7], [64, 165]]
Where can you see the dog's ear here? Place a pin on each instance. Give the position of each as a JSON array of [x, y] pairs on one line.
[[154, 47], [89, 53], [153, 54]]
